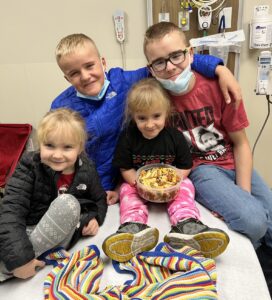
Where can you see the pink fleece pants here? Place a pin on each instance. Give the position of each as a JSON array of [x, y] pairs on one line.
[[133, 208]]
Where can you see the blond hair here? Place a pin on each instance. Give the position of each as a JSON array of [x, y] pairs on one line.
[[144, 96], [64, 123], [160, 30], [70, 43]]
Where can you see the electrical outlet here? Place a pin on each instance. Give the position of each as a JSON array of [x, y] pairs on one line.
[[164, 17], [261, 10], [227, 11]]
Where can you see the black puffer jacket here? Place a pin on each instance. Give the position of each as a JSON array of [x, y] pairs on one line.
[[28, 195]]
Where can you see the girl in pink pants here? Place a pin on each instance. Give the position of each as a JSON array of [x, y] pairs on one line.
[[148, 140]]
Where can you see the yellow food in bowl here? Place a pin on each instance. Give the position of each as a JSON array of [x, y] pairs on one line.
[[158, 183], [159, 177]]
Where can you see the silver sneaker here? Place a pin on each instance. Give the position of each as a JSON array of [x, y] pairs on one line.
[[211, 242], [130, 239]]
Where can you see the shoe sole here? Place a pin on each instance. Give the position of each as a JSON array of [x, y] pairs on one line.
[[123, 246], [210, 244]]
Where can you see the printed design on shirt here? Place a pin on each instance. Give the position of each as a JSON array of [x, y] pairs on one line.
[[204, 140], [63, 189], [206, 143], [210, 142], [64, 182], [142, 160], [209, 139], [189, 119]]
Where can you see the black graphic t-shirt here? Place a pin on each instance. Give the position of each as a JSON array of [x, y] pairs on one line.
[[134, 150]]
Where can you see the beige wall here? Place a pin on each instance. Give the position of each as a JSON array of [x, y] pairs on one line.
[[30, 78], [30, 31], [256, 105]]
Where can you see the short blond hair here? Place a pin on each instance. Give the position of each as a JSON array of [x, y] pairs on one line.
[[70, 43], [160, 30], [144, 95], [62, 122]]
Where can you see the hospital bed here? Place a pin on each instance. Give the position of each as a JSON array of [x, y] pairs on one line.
[[240, 276]]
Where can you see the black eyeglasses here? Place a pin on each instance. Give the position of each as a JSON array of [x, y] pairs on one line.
[[175, 58]]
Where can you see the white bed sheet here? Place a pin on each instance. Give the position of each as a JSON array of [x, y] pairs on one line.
[[240, 276]]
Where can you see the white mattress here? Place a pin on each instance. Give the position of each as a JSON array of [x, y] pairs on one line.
[[240, 276]]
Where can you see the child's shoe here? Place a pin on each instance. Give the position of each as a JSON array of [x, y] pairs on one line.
[[130, 239], [210, 241]]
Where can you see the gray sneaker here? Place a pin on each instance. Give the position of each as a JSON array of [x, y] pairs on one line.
[[210, 241], [130, 239]]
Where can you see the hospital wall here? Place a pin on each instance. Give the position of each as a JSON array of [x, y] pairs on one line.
[[30, 78]]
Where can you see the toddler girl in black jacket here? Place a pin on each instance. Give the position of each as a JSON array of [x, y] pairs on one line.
[[53, 197]]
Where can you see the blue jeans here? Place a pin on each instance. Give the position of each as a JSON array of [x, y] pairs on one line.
[[250, 214]]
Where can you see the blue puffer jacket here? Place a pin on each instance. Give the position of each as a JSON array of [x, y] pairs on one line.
[[104, 118]]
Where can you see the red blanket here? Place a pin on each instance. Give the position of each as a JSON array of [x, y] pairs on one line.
[[13, 138]]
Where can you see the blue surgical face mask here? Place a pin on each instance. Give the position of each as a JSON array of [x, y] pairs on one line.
[[180, 84], [101, 93]]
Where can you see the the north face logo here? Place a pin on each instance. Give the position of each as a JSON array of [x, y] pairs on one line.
[[111, 95], [82, 187]]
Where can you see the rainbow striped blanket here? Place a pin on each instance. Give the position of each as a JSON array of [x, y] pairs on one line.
[[164, 273]]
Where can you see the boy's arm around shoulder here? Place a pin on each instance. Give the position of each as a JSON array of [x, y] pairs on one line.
[[229, 86], [125, 78], [211, 66], [16, 248], [206, 64]]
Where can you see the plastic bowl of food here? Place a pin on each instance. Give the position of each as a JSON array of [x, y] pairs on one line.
[[158, 182]]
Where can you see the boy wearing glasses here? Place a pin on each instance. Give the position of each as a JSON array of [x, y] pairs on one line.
[[223, 176]]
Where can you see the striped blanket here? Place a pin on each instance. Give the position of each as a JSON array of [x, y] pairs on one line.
[[164, 273]]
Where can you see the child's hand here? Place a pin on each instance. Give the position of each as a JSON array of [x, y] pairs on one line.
[[29, 269], [229, 85], [91, 228], [112, 197]]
